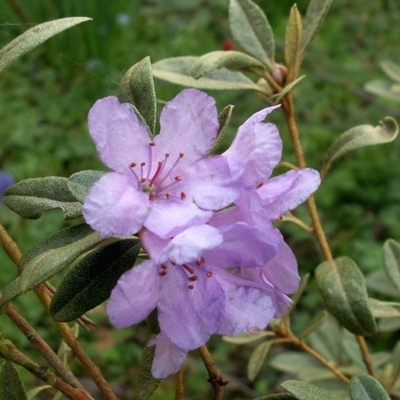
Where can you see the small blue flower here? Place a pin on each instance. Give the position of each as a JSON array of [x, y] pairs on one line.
[[6, 180]]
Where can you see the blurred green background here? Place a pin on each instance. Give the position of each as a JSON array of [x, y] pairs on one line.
[[45, 97]]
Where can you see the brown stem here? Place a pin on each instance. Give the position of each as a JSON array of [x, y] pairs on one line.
[[41, 345], [18, 9], [366, 355], [179, 384], [9, 246], [215, 376], [11, 353]]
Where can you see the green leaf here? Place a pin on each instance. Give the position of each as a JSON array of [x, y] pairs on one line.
[[361, 136], [91, 279], [307, 391], [391, 257], [288, 88], [365, 387], [315, 15], [314, 324], [293, 38], [232, 60], [34, 37], [223, 118], [278, 396], [31, 394], [178, 70], [384, 89], [137, 88], [384, 309], [30, 198], [343, 289], [49, 257], [11, 386], [244, 338], [391, 69], [80, 183], [147, 384], [251, 30], [257, 359]]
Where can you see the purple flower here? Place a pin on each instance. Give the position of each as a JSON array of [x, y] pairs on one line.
[[6, 180], [168, 183]]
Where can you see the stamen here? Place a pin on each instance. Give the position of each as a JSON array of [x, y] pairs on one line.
[[157, 173], [183, 195], [151, 145], [191, 287], [151, 196], [163, 273], [209, 274], [188, 268], [172, 167], [259, 185], [164, 266], [193, 278], [178, 178], [168, 196]]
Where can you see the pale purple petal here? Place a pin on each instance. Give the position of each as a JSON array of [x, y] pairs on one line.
[[210, 185], [255, 151], [188, 317], [188, 124], [247, 309], [167, 217], [135, 296], [189, 245], [114, 207], [244, 246], [168, 357], [120, 137], [281, 271], [285, 192]]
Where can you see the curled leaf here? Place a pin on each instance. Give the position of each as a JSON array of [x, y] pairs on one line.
[[361, 136], [391, 256]]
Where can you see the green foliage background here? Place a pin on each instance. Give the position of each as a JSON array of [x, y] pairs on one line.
[[45, 97]]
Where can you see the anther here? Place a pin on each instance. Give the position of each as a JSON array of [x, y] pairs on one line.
[[163, 273], [152, 143], [132, 164], [193, 278], [191, 287], [183, 195], [178, 178], [164, 266], [209, 274], [188, 268], [181, 155], [168, 196], [200, 261], [151, 196], [259, 185]]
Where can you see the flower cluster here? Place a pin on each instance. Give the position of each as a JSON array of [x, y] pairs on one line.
[[216, 262]]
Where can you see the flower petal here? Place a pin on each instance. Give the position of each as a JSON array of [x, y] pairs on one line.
[[255, 151], [189, 245], [285, 192], [135, 295], [168, 217], [168, 357], [247, 309], [188, 317], [120, 137], [189, 123], [210, 185], [114, 207], [282, 271]]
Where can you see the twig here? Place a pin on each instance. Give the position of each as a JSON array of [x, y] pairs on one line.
[[366, 355], [215, 376], [179, 384]]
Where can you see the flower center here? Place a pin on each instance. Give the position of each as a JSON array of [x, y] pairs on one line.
[[187, 269], [158, 178]]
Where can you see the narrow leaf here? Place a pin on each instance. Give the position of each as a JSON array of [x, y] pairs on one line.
[[391, 69], [80, 183], [30, 198], [384, 309], [293, 38], [92, 278], [343, 289], [314, 324], [287, 89], [137, 88], [257, 359], [361, 136], [315, 15], [178, 70], [384, 89], [49, 257], [147, 384], [365, 387], [245, 338], [223, 118], [34, 37], [307, 391], [11, 386], [391, 257], [251, 30], [278, 396], [31, 394], [232, 60]]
